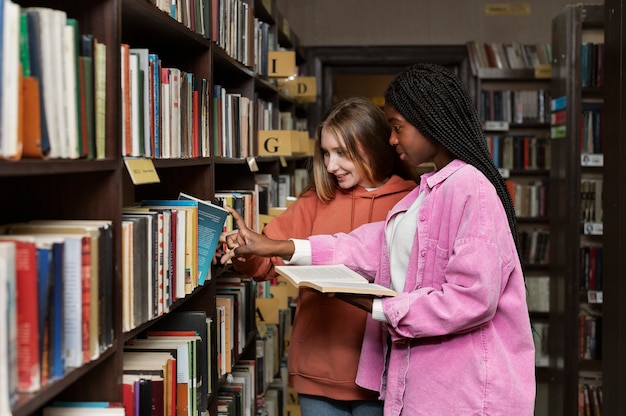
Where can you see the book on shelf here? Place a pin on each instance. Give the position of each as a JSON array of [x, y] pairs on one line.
[[190, 323], [27, 348], [11, 77], [139, 265], [150, 379], [337, 278], [101, 234], [192, 234], [100, 96], [84, 408], [211, 220], [8, 328]]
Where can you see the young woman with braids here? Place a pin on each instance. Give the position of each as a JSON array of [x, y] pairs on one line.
[[356, 178], [456, 340]]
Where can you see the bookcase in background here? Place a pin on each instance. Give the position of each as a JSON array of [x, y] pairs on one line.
[[219, 52], [615, 233], [513, 102], [576, 212]]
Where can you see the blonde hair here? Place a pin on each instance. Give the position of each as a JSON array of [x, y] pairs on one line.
[[362, 130]]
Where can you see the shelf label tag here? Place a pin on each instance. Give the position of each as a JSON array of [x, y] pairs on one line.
[[281, 64], [594, 296], [302, 88], [507, 9], [252, 164], [593, 228], [141, 171], [592, 160], [496, 125], [275, 142], [543, 71]]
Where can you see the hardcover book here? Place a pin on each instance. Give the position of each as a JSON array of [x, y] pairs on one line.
[[336, 278]]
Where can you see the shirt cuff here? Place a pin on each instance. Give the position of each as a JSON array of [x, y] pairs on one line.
[[377, 311], [301, 254]]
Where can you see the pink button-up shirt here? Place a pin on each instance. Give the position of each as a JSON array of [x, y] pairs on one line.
[[459, 340]]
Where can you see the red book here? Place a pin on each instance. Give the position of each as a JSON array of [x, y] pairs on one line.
[[126, 106], [128, 396], [28, 367], [194, 125], [86, 295]]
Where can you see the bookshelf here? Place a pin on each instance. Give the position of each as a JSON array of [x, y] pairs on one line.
[[513, 105], [99, 188], [613, 362], [576, 221]]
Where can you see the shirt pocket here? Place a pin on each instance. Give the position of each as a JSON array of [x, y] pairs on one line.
[[435, 265]]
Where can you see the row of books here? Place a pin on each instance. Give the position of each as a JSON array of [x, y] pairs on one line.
[[515, 106], [58, 309], [519, 151], [591, 200], [167, 251], [591, 258], [231, 29], [590, 334], [540, 338], [167, 368], [590, 394], [165, 110], [53, 86], [592, 64], [234, 123], [535, 246], [529, 199], [194, 14], [509, 55], [538, 293], [592, 128]]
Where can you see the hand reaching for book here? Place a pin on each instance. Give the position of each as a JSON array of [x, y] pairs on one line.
[[245, 242]]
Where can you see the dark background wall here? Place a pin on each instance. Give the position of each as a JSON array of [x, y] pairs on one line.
[[416, 22]]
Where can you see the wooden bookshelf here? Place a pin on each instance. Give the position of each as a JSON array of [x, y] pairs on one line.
[[574, 360], [512, 137], [99, 189], [613, 368]]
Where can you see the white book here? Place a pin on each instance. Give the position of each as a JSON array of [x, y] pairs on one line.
[[9, 140], [8, 328], [181, 240], [175, 113], [127, 283], [72, 301], [336, 278], [166, 104], [68, 61], [99, 77], [55, 36], [135, 117]]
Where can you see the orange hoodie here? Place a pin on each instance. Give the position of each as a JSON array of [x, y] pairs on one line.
[[327, 333]]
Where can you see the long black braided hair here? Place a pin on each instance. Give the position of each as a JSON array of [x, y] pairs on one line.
[[435, 101]]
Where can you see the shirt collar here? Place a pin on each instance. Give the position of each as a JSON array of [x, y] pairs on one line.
[[431, 179]]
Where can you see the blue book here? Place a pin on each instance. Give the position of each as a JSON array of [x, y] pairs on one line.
[[44, 285], [36, 70], [155, 66], [57, 362], [211, 219]]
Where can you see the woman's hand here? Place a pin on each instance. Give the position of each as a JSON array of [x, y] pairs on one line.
[[244, 242]]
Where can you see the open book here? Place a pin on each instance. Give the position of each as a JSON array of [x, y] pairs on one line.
[[336, 278]]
